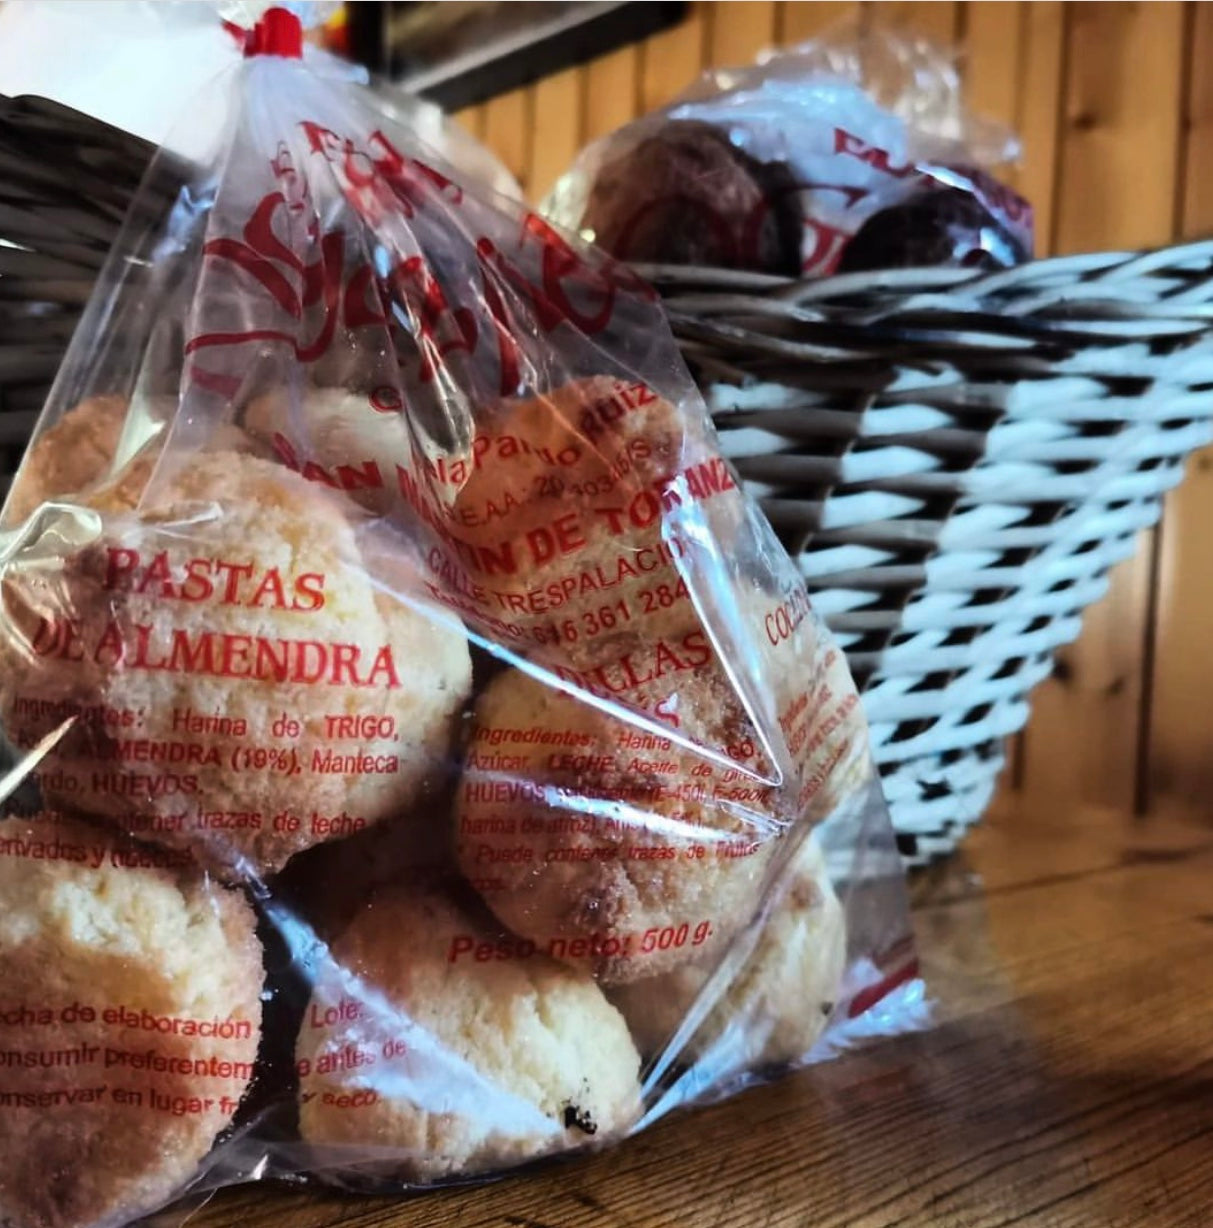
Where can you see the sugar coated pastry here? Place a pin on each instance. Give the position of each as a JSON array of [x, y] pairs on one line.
[[781, 998], [225, 674], [70, 458], [420, 1058], [616, 849], [76, 459], [130, 1014], [338, 432], [556, 514]]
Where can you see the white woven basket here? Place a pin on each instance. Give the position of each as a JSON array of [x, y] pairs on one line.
[[956, 461]]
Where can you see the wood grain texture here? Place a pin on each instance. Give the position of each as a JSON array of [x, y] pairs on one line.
[[558, 107], [671, 60], [992, 61], [1068, 1082], [612, 92], [800, 20], [1178, 759], [473, 119], [1118, 178], [1121, 138], [932, 19], [508, 132], [1042, 60], [740, 29]]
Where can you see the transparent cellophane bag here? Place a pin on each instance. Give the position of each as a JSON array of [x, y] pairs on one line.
[[850, 152], [422, 757]]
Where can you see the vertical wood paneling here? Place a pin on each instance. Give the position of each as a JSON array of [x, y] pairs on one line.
[[1120, 143], [799, 20], [473, 119], [740, 30], [612, 92], [1180, 744], [508, 133], [1042, 64], [1118, 178], [671, 60], [933, 19], [992, 59], [559, 100]]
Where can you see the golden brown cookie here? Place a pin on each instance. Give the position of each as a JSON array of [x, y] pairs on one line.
[[348, 439], [433, 1047], [130, 1014], [71, 457], [779, 1001], [227, 675], [557, 518], [76, 459], [615, 849]]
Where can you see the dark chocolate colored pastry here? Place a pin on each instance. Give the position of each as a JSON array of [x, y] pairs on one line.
[[688, 196], [936, 227]]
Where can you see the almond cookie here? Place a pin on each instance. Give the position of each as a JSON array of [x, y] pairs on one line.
[[615, 848], [130, 1014], [70, 458], [433, 1047], [224, 675], [780, 999]]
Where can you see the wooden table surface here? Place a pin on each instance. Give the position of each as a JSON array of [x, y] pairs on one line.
[[1068, 1081]]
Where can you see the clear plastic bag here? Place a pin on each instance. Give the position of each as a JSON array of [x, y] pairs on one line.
[[423, 757], [852, 152]]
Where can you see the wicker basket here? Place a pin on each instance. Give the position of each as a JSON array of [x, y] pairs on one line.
[[955, 460], [66, 181]]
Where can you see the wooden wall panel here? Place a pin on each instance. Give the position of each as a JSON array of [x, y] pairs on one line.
[[1118, 177], [473, 119], [740, 29], [671, 60], [800, 20], [612, 92], [1041, 79], [992, 58], [558, 108], [508, 131], [933, 19], [1180, 746]]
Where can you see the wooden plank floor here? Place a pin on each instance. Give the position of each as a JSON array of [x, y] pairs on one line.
[[1068, 1081]]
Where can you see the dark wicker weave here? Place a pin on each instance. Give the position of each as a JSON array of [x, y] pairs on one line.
[[66, 182]]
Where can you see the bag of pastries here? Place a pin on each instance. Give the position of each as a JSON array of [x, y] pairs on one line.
[[421, 756], [850, 153]]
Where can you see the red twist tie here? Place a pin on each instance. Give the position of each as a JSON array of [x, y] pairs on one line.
[[278, 32]]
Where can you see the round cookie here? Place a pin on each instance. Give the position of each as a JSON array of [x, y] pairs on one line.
[[779, 1001], [421, 1059], [618, 850], [568, 524], [130, 1014], [686, 195], [74, 459], [228, 677], [71, 457], [339, 430]]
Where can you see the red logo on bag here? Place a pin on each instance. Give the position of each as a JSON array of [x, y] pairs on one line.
[[542, 279], [297, 288]]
